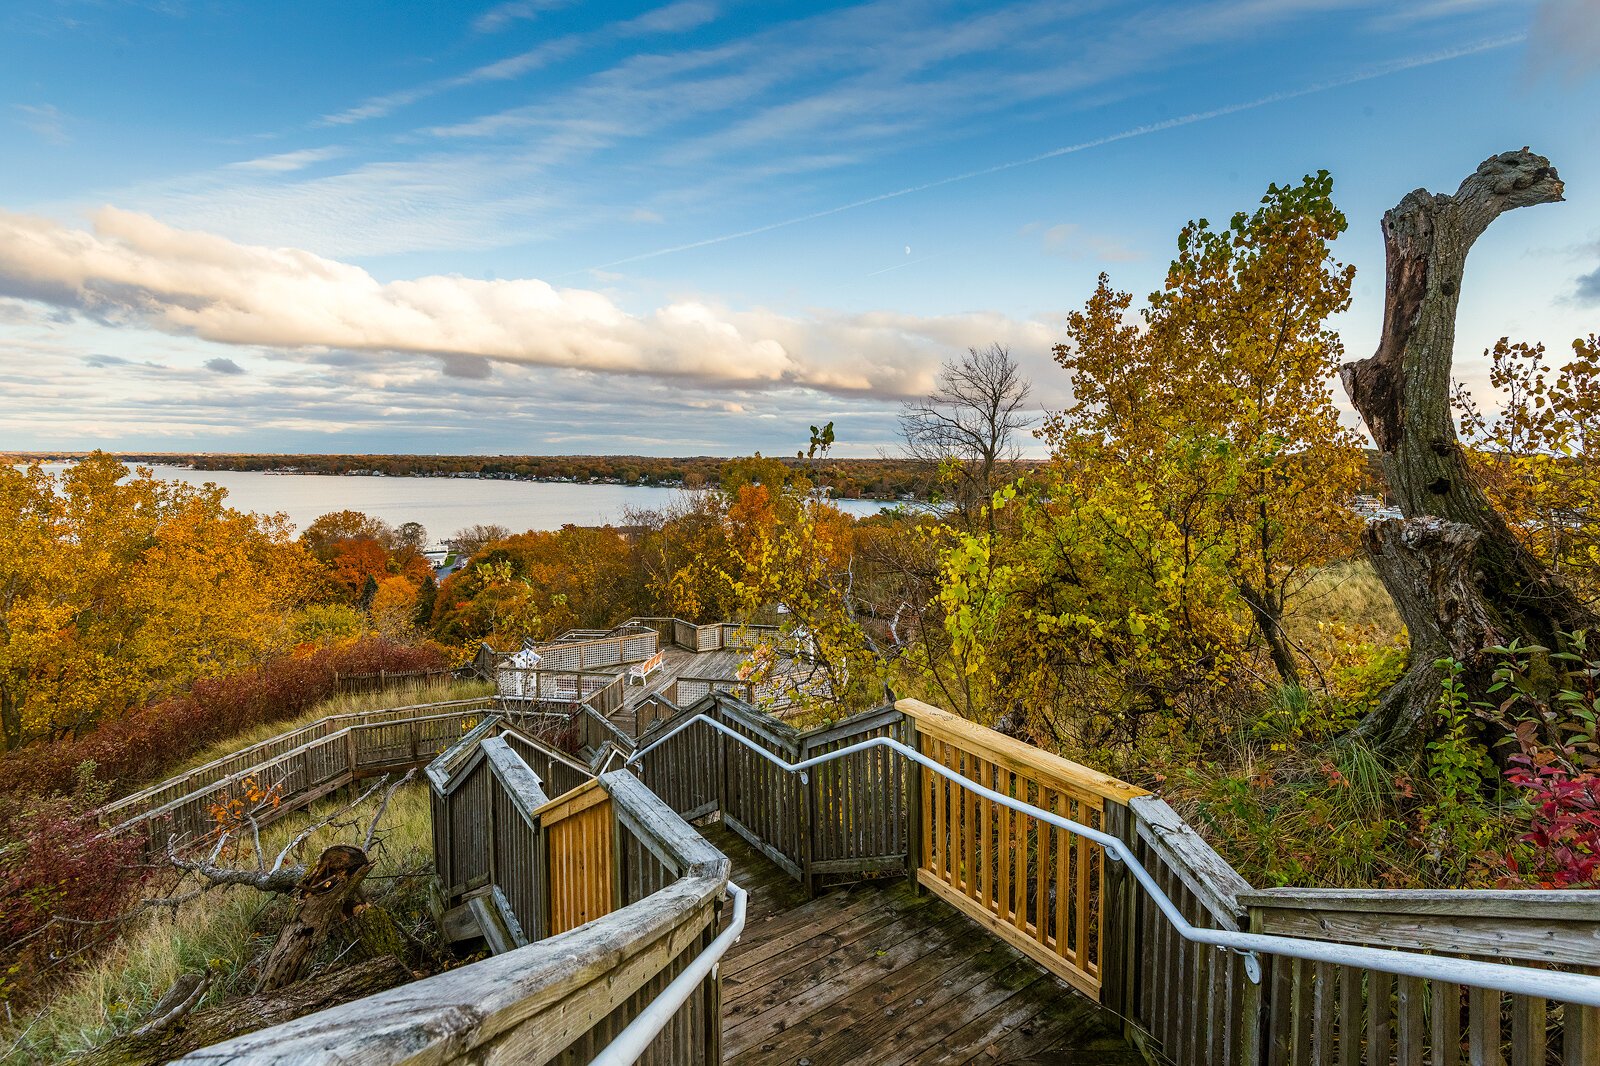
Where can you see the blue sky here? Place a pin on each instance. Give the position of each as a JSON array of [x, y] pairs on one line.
[[697, 227]]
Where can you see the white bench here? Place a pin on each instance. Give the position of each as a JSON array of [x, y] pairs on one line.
[[642, 672]]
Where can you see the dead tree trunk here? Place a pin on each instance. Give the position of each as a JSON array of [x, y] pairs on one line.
[[1465, 582], [327, 895], [212, 1025]]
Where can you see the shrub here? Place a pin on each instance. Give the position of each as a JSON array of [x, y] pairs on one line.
[[141, 746], [60, 863]]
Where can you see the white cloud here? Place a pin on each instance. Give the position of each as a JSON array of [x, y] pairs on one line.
[[132, 269], [511, 12]]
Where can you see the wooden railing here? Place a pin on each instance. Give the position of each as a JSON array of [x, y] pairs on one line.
[[606, 896], [305, 774], [1054, 895], [1327, 1014], [255, 755], [716, 636], [627, 647], [578, 830], [567, 870], [1035, 886]]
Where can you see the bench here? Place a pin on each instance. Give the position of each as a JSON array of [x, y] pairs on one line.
[[643, 671]]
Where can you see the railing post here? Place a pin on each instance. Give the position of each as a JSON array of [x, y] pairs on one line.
[[805, 813], [913, 777], [1119, 952]]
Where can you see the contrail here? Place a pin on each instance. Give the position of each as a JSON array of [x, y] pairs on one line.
[[1368, 74], [899, 266]]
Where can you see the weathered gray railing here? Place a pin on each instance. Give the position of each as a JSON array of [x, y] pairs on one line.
[[608, 897], [630, 646], [255, 755], [716, 636], [304, 774], [1322, 1013]]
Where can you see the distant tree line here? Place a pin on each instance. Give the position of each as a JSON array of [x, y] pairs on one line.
[[847, 478]]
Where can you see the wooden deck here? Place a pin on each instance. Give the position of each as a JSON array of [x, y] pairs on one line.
[[874, 973]]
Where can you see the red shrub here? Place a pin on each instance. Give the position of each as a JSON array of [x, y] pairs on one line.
[[139, 747], [60, 863], [1564, 823]]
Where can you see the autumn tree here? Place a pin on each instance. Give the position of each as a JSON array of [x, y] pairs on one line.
[[115, 588], [1224, 391], [1537, 455], [534, 585]]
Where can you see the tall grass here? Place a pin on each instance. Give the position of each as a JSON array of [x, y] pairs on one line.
[[1347, 593], [436, 691], [230, 929]]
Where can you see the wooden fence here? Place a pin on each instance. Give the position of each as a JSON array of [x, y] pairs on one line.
[[566, 995], [716, 636], [304, 774], [383, 680], [1055, 896], [258, 754], [1327, 1014], [604, 896]]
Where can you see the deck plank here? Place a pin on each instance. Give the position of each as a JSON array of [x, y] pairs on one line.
[[876, 973]]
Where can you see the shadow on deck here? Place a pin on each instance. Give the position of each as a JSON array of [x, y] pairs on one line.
[[874, 973]]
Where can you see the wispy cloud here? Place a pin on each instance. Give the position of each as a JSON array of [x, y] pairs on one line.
[[45, 120], [504, 15], [678, 17], [286, 162], [1144, 130]]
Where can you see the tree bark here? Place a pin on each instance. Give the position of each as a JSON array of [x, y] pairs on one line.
[[1403, 394], [327, 895], [239, 1016]]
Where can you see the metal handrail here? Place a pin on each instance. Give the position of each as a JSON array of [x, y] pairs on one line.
[[1501, 977], [632, 1041]]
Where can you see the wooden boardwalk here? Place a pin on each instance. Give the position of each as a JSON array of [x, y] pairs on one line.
[[874, 973]]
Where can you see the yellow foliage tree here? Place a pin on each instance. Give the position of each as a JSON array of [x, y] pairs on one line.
[[1220, 402], [115, 588], [1538, 457]]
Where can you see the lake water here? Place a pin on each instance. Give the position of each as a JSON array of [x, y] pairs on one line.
[[443, 505]]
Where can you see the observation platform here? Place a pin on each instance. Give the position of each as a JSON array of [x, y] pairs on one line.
[[875, 973]]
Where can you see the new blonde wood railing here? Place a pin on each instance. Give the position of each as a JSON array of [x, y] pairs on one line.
[[578, 830], [1035, 886]]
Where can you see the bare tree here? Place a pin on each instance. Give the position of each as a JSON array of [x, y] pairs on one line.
[[473, 539], [969, 424]]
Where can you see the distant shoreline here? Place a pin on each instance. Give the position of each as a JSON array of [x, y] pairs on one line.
[[880, 480]]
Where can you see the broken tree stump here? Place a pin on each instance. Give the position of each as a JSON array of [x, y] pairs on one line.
[[1403, 394], [327, 896]]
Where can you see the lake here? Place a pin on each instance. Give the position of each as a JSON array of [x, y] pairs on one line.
[[443, 505]]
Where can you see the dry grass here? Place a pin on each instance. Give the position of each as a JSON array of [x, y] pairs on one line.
[[1347, 593], [227, 927], [429, 692]]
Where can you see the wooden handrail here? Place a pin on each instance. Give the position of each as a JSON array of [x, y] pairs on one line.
[[1038, 764]]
